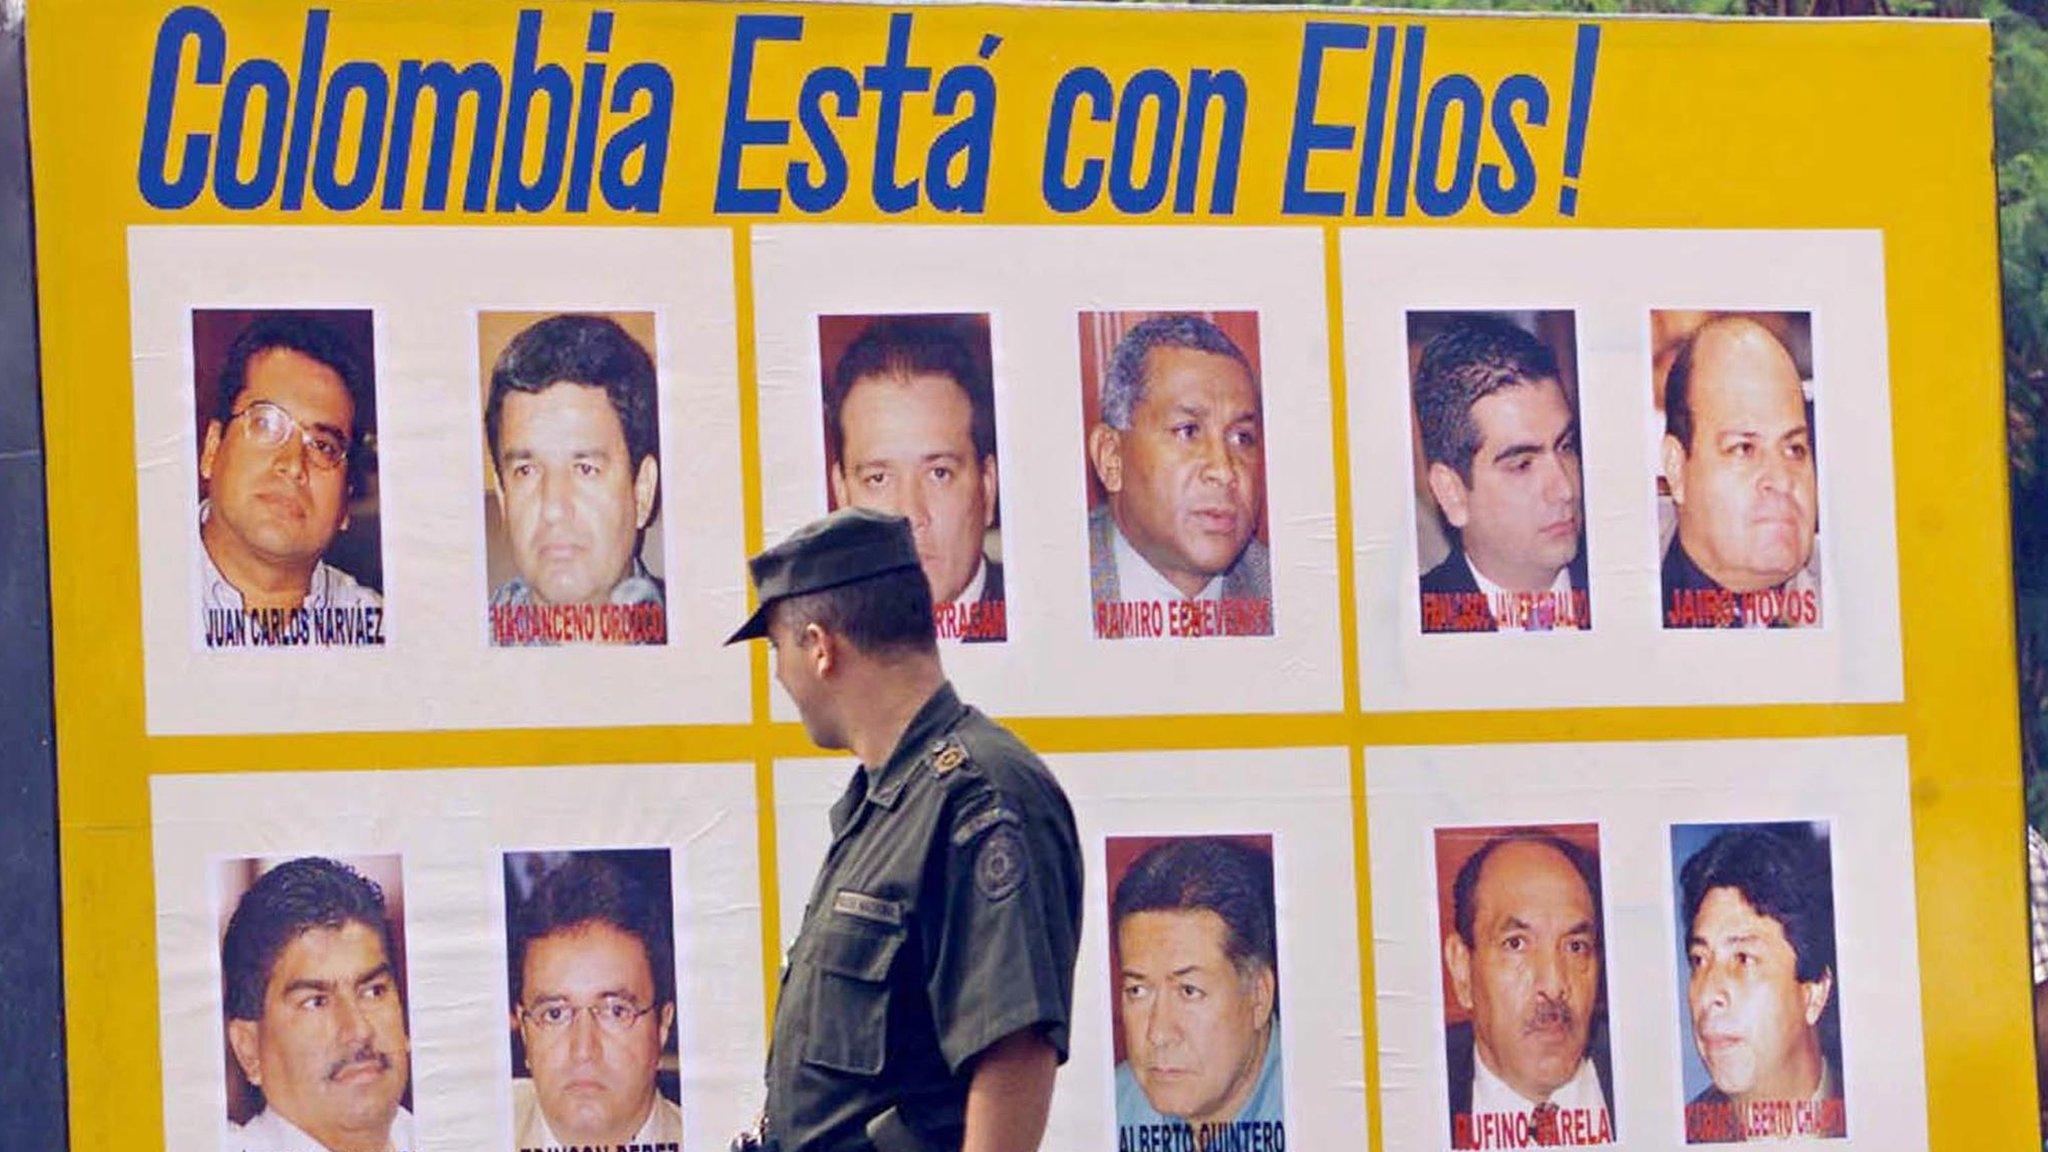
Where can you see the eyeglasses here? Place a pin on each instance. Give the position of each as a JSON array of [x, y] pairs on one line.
[[270, 426], [615, 1014]]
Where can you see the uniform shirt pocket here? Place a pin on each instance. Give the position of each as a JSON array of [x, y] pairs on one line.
[[849, 1014]]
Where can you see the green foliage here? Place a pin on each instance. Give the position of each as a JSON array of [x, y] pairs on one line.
[[2020, 102]]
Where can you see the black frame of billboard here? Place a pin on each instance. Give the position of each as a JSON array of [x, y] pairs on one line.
[[32, 1028]]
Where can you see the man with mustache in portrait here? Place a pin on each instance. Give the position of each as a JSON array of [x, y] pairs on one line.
[[1524, 956], [315, 1019]]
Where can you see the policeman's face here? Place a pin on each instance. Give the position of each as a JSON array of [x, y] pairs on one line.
[[1745, 485], [1519, 515], [330, 1050], [595, 1086], [574, 503], [276, 507], [1752, 1019], [1532, 971], [908, 450], [1195, 1027], [1187, 480]]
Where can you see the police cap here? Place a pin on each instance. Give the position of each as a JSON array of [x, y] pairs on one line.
[[850, 544]]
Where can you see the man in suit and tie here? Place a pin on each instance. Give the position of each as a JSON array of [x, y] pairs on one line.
[[1180, 452], [910, 416], [1500, 438], [1531, 1065]]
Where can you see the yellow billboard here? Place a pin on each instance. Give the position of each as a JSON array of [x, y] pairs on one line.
[[1358, 447]]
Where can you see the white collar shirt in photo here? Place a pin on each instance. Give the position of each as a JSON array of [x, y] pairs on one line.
[[1491, 1094], [1136, 579], [1561, 588], [972, 593], [329, 587]]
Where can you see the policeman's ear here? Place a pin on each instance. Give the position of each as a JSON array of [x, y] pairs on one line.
[[646, 485], [210, 449], [1451, 493], [1458, 959], [667, 1020], [820, 647], [242, 1041], [988, 485], [1674, 468], [1813, 995], [1106, 452]]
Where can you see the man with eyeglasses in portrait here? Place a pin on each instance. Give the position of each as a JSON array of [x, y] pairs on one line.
[[593, 1001], [278, 466]]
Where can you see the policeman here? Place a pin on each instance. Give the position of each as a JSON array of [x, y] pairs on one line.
[[925, 1003]]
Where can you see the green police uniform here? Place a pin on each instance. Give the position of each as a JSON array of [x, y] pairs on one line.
[[947, 916]]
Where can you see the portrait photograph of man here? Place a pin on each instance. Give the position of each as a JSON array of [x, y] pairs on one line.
[[313, 997], [1500, 509], [1194, 965], [591, 969], [1176, 477], [288, 545], [1757, 982], [1739, 499], [572, 487], [910, 429], [1526, 1046]]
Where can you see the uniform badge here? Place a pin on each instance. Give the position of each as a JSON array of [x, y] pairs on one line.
[[866, 907], [950, 755], [1000, 866]]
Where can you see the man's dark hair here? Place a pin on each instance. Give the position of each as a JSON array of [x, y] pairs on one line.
[[316, 340], [886, 614], [1465, 887], [1123, 382], [590, 889], [1783, 872], [1678, 392], [1470, 359], [915, 345], [1207, 873], [592, 351], [289, 900]]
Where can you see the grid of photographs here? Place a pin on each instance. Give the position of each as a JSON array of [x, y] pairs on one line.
[[517, 959], [512, 498], [506, 494], [1631, 465], [1646, 945], [1561, 464], [1083, 446]]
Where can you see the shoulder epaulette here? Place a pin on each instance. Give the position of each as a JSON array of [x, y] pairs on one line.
[[947, 755]]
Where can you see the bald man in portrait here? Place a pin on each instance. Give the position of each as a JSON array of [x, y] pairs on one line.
[[1738, 456]]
